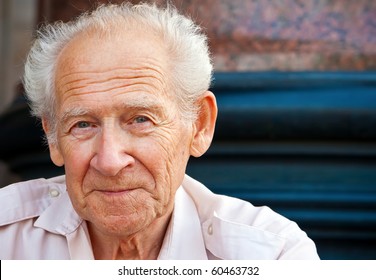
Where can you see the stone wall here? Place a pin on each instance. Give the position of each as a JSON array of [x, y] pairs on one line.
[[268, 35]]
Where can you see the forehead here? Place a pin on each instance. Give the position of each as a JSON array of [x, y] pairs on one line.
[[98, 49], [96, 62]]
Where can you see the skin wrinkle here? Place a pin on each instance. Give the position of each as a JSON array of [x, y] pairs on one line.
[[114, 153], [121, 81], [122, 71], [167, 167], [165, 149], [132, 89], [99, 90], [72, 115], [136, 105], [146, 63], [152, 65], [116, 71]]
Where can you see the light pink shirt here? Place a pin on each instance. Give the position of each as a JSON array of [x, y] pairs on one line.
[[37, 221]]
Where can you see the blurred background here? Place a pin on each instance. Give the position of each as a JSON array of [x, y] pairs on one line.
[[296, 88]]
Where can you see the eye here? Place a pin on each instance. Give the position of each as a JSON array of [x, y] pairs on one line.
[[82, 125], [83, 129], [141, 119], [140, 124]]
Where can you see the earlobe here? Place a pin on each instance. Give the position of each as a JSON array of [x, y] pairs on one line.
[[204, 125], [55, 153]]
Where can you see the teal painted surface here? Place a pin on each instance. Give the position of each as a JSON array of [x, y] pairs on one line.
[[305, 145]]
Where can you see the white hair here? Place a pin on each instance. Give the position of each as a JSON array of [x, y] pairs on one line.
[[184, 40]]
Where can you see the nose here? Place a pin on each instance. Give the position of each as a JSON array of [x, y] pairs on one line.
[[111, 155]]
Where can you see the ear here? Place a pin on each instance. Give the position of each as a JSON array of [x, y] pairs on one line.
[[55, 153], [203, 128]]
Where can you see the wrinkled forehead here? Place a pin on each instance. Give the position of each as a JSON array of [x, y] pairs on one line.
[[98, 50], [113, 62], [127, 71]]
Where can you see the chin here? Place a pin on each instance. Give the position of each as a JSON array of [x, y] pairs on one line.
[[124, 224]]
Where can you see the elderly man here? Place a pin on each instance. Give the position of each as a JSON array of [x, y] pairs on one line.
[[123, 97]]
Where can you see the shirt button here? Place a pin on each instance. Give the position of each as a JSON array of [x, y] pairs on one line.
[[54, 193], [210, 229]]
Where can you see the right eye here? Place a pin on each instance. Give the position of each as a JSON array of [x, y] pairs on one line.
[[83, 129]]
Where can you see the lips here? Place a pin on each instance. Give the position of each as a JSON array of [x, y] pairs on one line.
[[117, 191], [114, 188], [111, 195], [114, 192]]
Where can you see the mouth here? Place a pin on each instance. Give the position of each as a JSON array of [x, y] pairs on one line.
[[113, 197], [114, 192]]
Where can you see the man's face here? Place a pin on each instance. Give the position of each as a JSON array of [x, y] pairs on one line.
[[120, 135]]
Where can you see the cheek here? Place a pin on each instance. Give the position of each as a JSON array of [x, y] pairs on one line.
[[172, 155], [76, 164], [76, 154]]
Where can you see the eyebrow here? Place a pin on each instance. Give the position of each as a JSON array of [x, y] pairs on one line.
[[132, 105], [73, 112]]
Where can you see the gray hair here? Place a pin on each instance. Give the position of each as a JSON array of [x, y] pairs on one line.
[[184, 40]]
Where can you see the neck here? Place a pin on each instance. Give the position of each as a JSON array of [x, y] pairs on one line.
[[142, 245]]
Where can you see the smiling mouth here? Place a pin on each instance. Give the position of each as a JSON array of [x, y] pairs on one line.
[[114, 193], [113, 196]]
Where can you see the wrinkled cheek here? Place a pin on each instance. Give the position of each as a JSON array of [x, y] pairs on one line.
[[77, 162], [170, 179], [75, 188], [75, 153]]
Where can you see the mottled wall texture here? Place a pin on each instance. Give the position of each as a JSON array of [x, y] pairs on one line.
[[267, 35]]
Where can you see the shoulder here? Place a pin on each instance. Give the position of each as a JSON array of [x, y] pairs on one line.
[[28, 199], [233, 209], [253, 232]]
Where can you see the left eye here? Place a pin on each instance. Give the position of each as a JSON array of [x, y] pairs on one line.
[[83, 125], [141, 119]]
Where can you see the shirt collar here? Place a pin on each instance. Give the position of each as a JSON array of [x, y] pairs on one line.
[[61, 218], [183, 239]]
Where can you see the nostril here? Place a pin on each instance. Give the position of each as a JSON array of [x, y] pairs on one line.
[[111, 165]]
